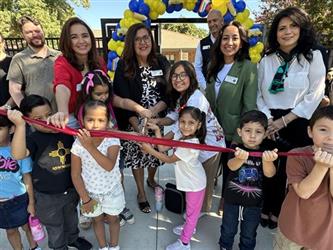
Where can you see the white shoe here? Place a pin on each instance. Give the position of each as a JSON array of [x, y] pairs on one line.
[[178, 245], [178, 230], [114, 248], [104, 248], [202, 214]]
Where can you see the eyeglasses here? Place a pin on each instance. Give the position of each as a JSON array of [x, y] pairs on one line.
[[180, 76], [144, 39]]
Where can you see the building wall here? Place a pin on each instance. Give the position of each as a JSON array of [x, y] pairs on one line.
[[174, 55]]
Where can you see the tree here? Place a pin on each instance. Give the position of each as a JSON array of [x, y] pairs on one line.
[[320, 12], [186, 28], [51, 13]]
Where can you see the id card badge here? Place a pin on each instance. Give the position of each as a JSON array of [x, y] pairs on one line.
[[206, 47], [231, 79], [157, 72]]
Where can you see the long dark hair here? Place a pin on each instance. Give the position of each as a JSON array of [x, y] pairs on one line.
[[129, 57], [216, 56], [199, 116], [90, 81], [65, 45], [172, 94], [307, 38]]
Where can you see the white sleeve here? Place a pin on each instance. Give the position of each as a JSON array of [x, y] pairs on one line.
[[198, 68], [261, 105], [76, 148], [311, 100], [198, 100]]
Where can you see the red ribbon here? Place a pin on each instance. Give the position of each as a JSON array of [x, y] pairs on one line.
[[147, 139]]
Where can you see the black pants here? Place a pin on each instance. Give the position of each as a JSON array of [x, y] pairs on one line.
[[293, 136], [58, 213]]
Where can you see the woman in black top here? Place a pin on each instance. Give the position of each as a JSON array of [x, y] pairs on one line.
[[5, 99], [140, 76]]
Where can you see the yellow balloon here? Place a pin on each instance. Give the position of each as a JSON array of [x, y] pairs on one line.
[[119, 51], [240, 17], [128, 14], [246, 13], [153, 15], [122, 23], [260, 46], [161, 9], [111, 74], [112, 45], [248, 23]]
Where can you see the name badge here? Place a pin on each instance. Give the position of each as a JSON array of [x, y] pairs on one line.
[[158, 72], [78, 87], [231, 79], [206, 47]]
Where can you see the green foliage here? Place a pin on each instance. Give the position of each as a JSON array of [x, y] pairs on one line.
[[320, 12], [51, 13], [186, 28]]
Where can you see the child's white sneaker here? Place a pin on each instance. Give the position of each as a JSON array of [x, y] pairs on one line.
[[178, 230], [114, 248], [104, 248], [178, 245]]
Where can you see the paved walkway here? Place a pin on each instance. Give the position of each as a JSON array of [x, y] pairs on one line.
[[148, 233]]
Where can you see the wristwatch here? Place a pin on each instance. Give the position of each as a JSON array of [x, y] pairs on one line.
[[7, 106]]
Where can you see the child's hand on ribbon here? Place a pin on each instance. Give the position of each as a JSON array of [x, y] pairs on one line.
[[85, 139], [15, 117], [270, 155], [241, 154]]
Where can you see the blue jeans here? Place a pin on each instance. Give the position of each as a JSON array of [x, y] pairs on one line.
[[249, 217]]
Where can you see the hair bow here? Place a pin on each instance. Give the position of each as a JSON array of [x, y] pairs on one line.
[[90, 82]]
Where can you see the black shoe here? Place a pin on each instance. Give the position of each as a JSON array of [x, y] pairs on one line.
[[264, 222], [272, 224], [80, 244]]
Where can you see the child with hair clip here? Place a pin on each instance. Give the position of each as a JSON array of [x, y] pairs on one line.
[[182, 91], [190, 175], [16, 192], [96, 175], [98, 86]]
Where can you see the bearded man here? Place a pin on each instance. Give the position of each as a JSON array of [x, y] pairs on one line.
[[31, 70]]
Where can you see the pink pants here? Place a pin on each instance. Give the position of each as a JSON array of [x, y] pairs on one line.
[[194, 202]]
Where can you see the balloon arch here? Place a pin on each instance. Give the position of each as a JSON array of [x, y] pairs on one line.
[[143, 11]]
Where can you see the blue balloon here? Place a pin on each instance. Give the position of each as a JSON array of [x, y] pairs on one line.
[[257, 26], [133, 5], [178, 7], [197, 6], [240, 6], [203, 13], [109, 66], [228, 17], [147, 22], [144, 9], [253, 40], [115, 36], [112, 55], [170, 9], [166, 2]]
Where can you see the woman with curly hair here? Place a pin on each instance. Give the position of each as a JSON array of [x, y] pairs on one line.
[[290, 87]]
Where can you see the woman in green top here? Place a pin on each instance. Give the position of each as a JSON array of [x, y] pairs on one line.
[[232, 83]]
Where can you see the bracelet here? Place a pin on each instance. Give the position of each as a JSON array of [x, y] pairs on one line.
[[84, 203], [284, 121]]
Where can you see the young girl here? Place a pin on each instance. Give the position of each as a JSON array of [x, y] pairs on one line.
[[97, 86], [183, 91], [16, 194], [190, 175], [96, 175]]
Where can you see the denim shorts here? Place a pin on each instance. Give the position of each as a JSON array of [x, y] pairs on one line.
[[13, 212]]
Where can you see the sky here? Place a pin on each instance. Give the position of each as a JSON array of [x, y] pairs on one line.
[[115, 8]]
